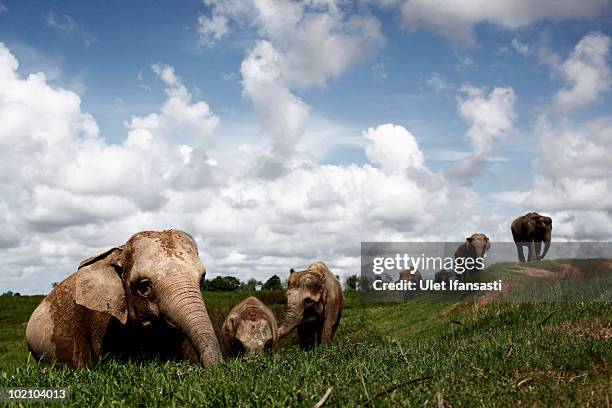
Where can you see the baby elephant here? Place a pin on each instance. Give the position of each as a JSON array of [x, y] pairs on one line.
[[249, 329]]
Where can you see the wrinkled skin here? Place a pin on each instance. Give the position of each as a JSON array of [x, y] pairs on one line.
[[474, 247], [531, 230], [314, 305], [140, 298], [250, 329]]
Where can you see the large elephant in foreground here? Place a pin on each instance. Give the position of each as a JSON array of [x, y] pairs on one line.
[[531, 230], [314, 305], [139, 298]]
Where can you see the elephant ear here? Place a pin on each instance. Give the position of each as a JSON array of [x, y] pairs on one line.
[[229, 326], [99, 286]]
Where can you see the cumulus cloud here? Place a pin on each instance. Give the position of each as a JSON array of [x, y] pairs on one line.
[[587, 72], [491, 117], [66, 193], [57, 173], [573, 178], [457, 19], [299, 45], [573, 168], [282, 114], [394, 148]]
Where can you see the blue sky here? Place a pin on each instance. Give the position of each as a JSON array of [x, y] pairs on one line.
[[308, 117]]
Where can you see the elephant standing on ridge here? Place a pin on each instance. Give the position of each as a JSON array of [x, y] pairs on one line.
[[249, 329], [474, 247], [531, 230], [314, 305], [141, 297]]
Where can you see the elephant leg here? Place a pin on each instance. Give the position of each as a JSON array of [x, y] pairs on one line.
[[519, 251], [306, 335], [538, 250], [329, 326], [531, 255]]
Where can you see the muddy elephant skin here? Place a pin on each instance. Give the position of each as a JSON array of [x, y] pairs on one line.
[[141, 297]]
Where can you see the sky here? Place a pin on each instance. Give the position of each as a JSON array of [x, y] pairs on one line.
[[279, 132]]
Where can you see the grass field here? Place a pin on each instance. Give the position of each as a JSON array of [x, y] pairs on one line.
[[473, 354]]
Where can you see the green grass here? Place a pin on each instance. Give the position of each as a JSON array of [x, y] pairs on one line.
[[493, 355]]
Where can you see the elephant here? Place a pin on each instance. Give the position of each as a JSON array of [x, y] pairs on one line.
[[442, 276], [140, 298], [249, 329], [474, 247], [314, 305], [410, 275], [531, 230]]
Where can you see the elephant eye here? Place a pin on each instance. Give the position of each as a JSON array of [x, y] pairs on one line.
[[268, 346], [144, 288]]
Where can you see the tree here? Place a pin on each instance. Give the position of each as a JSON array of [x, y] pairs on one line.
[[221, 284], [274, 283], [251, 284], [352, 282]]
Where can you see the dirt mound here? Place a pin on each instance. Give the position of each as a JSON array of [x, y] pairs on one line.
[[566, 271]]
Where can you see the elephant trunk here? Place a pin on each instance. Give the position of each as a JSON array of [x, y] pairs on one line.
[[547, 240], [295, 312], [182, 305]]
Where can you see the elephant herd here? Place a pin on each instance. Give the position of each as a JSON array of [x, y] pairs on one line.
[[530, 230], [144, 298]]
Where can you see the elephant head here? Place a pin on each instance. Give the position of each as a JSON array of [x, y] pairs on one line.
[[250, 329], [305, 297], [478, 245], [410, 275], [154, 279], [539, 228]]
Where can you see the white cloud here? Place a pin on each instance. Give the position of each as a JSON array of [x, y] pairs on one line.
[[574, 167], [439, 83], [378, 71], [66, 23], [573, 178], [457, 19], [519, 47], [394, 148], [512, 197], [491, 117], [212, 29], [3, 8], [283, 115], [465, 62], [66, 193], [587, 72], [299, 45], [62, 22]]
